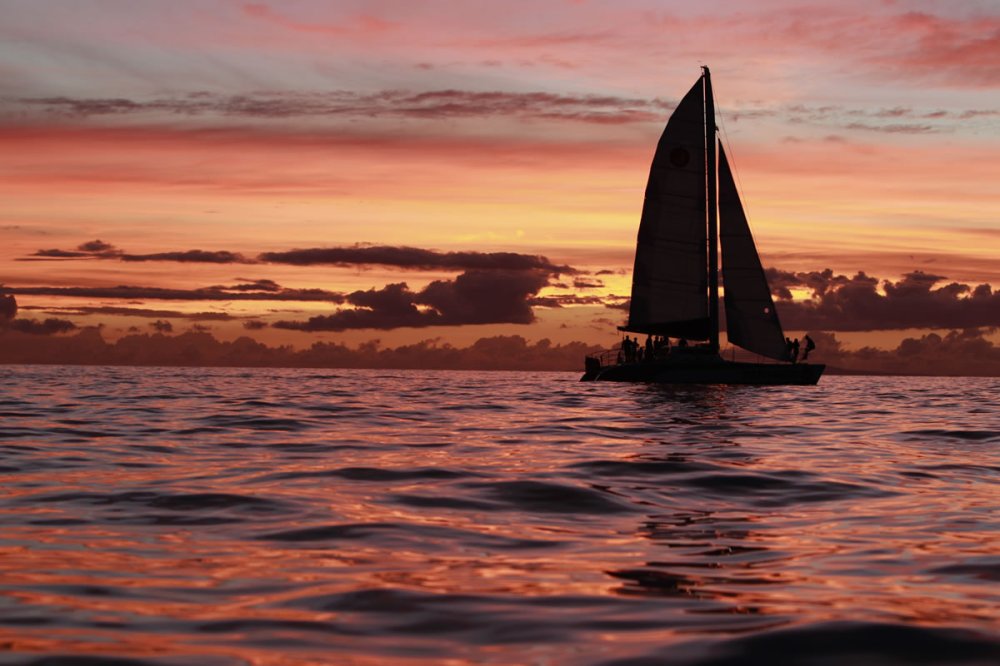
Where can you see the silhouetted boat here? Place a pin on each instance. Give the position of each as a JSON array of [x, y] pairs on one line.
[[691, 204]]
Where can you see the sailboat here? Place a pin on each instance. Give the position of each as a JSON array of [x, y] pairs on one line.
[[691, 205]]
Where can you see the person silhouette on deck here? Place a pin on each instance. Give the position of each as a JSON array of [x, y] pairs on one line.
[[649, 349], [810, 345], [795, 350], [629, 348]]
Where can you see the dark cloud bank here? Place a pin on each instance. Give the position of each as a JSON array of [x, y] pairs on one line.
[[960, 352], [88, 347], [493, 287], [501, 287], [474, 297], [841, 303]]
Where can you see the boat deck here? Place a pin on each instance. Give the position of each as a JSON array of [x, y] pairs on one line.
[[694, 366]]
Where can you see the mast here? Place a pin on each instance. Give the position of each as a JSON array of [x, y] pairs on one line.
[[713, 223]]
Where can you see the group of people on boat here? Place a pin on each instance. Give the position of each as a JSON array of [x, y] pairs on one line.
[[794, 347], [658, 346]]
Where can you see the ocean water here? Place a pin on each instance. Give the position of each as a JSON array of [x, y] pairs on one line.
[[232, 516]]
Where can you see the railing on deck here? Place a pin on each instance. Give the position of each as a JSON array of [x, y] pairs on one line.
[[606, 357], [616, 356]]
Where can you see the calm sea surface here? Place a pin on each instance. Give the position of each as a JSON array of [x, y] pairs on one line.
[[207, 516]]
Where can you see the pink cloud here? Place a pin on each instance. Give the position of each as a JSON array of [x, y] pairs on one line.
[[362, 24], [947, 49]]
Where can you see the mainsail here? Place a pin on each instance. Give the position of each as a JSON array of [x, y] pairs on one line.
[[669, 281], [751, 321]]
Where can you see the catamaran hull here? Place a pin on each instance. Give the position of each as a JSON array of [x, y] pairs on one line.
[[720, 372]]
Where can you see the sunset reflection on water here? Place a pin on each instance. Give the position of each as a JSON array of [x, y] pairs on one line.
[[280, 517]]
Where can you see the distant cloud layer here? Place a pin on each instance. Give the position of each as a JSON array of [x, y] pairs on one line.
[[960, 352], [8, 307], [453, 104], [431, 104], [49, 326]]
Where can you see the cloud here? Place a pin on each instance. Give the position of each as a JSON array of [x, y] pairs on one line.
[[559, 300], [34, 327], [191, 256], [453, 104], [97, 246], [201, 348], [162, 326], [252, 285], [841, 303], [390, 307], [624, 303], [864, 303], [254, 325], [414, 259], [132, 292], [411, 258], [8, 307], [436, 105], [474, 297], [359, 25], [61, 254], [893, 128], [137, 312], [939, 48], [958, 352], [350, 105], [98, 249]]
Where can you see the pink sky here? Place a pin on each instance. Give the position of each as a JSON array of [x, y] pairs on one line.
[[864, 136]]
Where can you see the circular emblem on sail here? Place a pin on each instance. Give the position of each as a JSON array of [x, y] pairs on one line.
[[679, 157]]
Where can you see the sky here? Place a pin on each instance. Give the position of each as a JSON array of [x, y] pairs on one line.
[[344, 172]]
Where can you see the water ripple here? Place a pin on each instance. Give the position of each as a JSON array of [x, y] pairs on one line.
[[161, 516]]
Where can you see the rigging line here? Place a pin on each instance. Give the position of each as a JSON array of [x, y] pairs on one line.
[[732, 165]]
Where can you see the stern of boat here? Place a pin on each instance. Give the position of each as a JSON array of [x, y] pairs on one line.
[[594, 364]]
